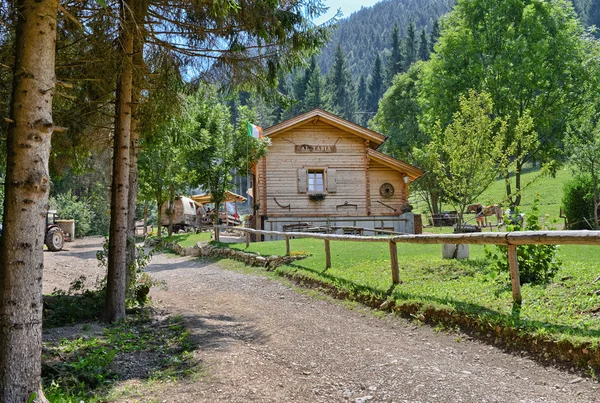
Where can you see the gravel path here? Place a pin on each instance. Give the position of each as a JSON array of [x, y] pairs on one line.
[[262, 341]]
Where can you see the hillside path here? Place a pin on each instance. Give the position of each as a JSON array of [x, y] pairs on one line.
[[262, 341]]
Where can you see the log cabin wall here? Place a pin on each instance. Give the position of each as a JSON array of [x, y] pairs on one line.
[[380, 175], [344, 173]]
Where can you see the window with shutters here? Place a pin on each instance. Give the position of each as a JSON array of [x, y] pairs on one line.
[[316, 180]]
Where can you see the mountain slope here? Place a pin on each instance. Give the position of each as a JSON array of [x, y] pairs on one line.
[[368, 31]]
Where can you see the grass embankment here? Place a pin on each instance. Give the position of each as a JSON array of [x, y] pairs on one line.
[[564, 313]]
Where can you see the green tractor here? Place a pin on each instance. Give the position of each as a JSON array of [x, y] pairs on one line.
[[55, 237]]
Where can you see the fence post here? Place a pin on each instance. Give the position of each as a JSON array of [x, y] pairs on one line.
[[287, 245], [247, 239], [394, 259], [327, 255], [513, 263]]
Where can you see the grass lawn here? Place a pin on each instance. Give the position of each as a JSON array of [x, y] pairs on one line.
[[566, 308]]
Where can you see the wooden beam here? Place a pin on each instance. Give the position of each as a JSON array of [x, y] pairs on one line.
[[513, 263], [327, 255], [394, 261], [367, 179], [247, 239], [287, 246]]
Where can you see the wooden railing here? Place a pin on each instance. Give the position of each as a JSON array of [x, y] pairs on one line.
[[510, 239]]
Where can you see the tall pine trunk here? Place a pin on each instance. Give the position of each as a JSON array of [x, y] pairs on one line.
[[141, 7], [26, 202], [114, 307]]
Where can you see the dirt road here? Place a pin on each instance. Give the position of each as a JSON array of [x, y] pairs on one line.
[[262, 341]]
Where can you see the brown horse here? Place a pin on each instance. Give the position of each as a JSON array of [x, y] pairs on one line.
[[488, 211]]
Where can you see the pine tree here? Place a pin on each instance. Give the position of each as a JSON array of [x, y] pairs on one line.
[[342, 91], [361, 97], [375, 87], [412, 45], [396, 59], [424, 46], [435, 34], [316, 96]]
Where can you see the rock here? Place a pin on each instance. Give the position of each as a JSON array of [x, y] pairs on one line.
[[576, 380], [363, 399]]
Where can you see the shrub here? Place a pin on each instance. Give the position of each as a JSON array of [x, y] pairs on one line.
[[71, 208], [578, 202], [538, 264]]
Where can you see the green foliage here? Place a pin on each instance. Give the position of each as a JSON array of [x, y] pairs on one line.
[[469, 154], [71, 207], [140, 281], [538, 264], [375, 87], [578, 202], [225, 149], [517, 51], [74, 305], [341, 87]]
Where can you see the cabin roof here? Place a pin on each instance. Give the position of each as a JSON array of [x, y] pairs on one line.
[[410, 170], [329, 118], [205, 198]]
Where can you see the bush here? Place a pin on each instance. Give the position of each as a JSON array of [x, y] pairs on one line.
[[100, 206], [70, 208], [538, 264], [578, 203]]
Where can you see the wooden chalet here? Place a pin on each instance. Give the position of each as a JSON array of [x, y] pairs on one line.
[[326, 171]]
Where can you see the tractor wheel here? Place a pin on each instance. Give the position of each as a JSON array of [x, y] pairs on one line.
[[54, 239]]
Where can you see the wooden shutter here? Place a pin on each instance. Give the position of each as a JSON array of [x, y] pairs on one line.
[[331, 180], [302, 180]]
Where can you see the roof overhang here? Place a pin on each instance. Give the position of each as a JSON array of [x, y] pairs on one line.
[[230, 197], [320, 115], [409, 170]]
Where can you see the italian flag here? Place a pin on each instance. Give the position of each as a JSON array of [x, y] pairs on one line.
[[254, 131]]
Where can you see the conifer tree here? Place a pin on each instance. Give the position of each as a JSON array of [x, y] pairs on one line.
[[435, 34], [361, 98], [424, 46], [412, 45], [396, 60], [316, 97], [342, 91], [375, 87]]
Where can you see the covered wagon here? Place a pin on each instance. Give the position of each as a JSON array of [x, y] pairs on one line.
[[183, 212]]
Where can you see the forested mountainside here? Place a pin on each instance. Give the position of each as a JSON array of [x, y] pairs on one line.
[[367, 32]]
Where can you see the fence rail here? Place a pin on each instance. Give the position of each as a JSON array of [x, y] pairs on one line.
[[510, 239]]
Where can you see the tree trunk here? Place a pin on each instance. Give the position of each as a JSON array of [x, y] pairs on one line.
[[171, 210], [26, 202], [159, 204], [114, 308], [518, 170], [145, 219], [140, 9]]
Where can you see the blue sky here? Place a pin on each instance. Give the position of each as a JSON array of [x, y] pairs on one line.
[[347, 6]]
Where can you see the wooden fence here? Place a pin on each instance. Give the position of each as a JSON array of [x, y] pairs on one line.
[[510, 239]]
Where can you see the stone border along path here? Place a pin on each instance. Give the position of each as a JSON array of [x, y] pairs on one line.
[[262, 341]]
